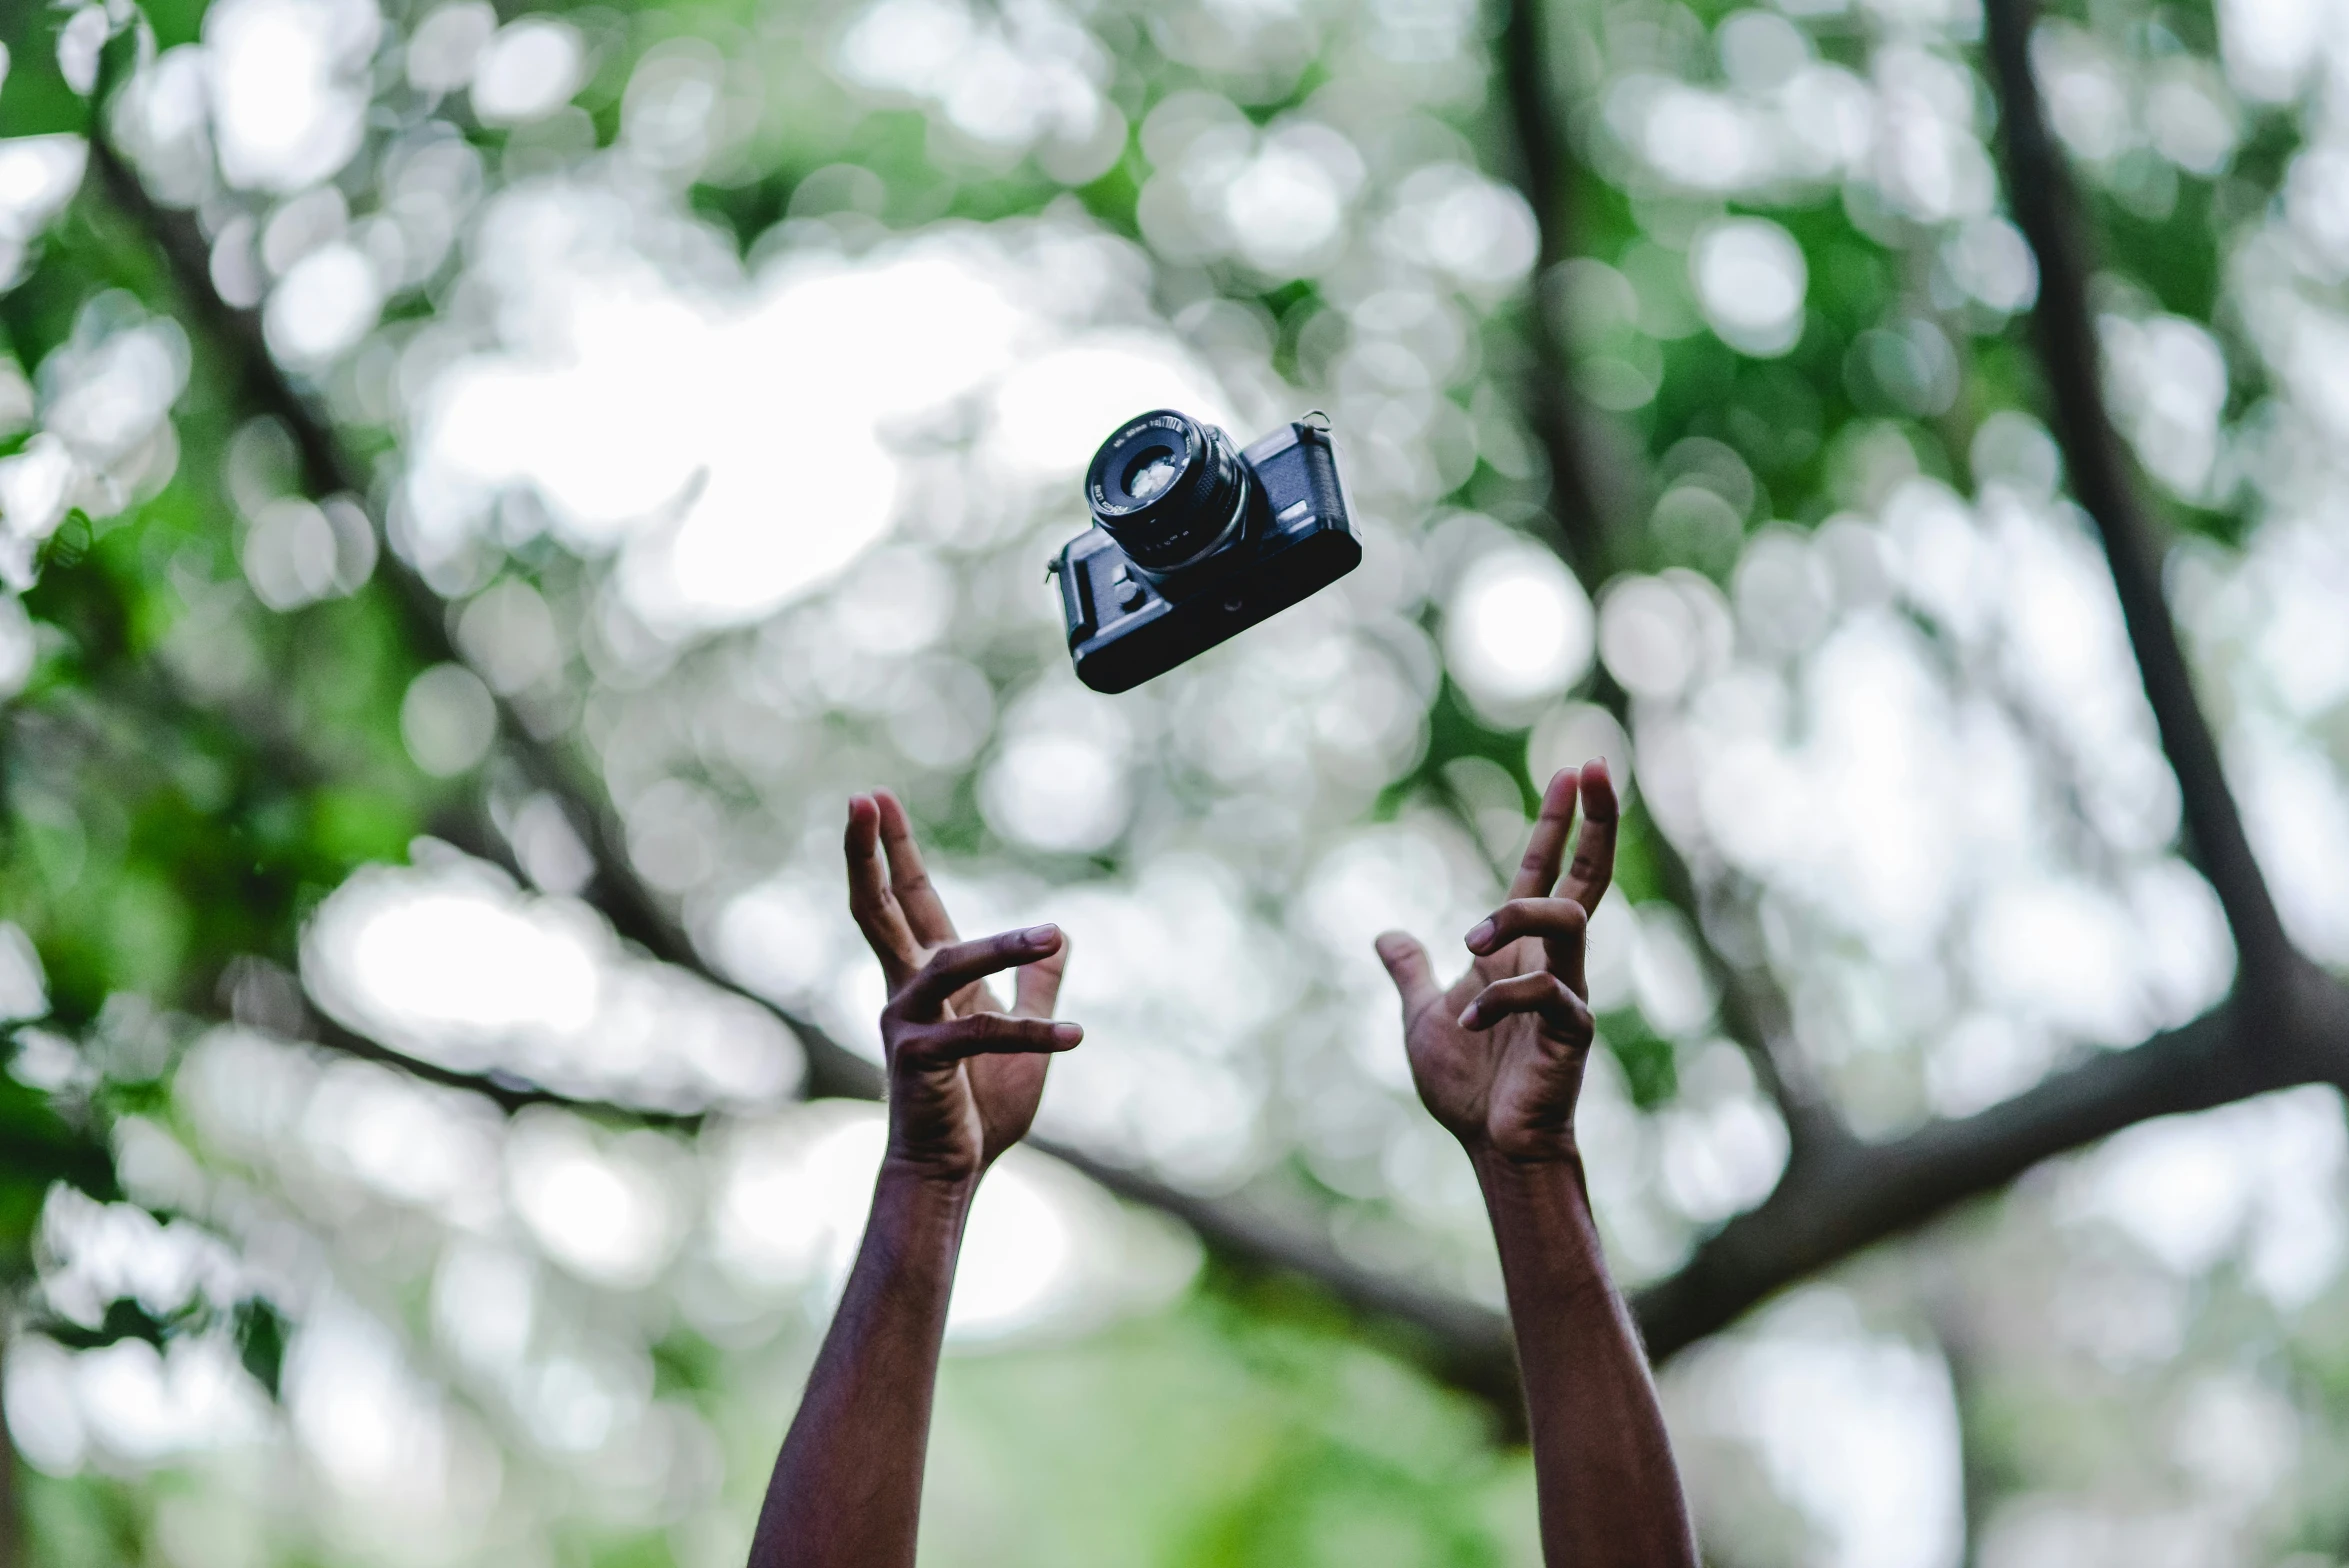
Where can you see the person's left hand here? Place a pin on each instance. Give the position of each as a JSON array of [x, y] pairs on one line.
[[1498, 1058], [905, 923]]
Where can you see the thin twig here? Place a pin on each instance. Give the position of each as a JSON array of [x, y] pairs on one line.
[[506, 1091], [1758, 1019]]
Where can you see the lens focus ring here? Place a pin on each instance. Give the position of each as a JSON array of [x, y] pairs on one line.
[[1168, 489]]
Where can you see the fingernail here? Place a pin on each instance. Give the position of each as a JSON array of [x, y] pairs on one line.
[[1482, 934], [1037, 936], [1468, 1016], [1067, 1034]]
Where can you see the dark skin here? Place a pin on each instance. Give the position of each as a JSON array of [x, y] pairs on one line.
[[964, 1078], [1498, 1060]]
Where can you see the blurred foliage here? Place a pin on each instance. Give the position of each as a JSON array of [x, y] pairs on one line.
[[194, 768]]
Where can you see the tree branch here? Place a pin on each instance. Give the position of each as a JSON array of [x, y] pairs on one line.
[[235, 337], [1837, 1206], [2046, 208], [1546, 172], [1462, 1342], [1756, 1015], [1754, 1012], [328, 468], [508, 1092]]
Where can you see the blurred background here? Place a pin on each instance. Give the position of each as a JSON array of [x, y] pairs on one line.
[[480, 485]]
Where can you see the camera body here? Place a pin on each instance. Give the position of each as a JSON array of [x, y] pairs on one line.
[[1194, 542]]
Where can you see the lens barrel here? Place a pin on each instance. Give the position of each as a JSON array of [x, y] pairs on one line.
[[1168, 489]]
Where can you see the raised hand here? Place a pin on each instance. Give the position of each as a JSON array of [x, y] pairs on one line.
[[965, 1075], [964, 1078], [1498, 1058]]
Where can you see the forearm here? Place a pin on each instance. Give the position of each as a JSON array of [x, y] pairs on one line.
[[1608, 1490], [847, 1488]]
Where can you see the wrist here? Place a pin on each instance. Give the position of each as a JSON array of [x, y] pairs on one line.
[[1511, 1165], [1547, 1192], [1522, 1151], [916, 1219], [1543, 1224], [928, 1183]]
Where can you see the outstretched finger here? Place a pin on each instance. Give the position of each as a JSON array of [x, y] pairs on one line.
[[1560, 923], [987, 1034], [1593, 870], [1545, 847], [952, 968], [909, 879], [1542, 994], [870, 902], [1408, 967], [1038, 986]]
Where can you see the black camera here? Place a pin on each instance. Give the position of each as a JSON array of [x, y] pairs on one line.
[[1193, 541]]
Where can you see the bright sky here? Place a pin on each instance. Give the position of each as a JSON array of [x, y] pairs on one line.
[[739, 445]]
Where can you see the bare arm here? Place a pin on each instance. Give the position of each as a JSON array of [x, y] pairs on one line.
[[1603, 1470], [964, 1080], [1499, 1060], [848, 1487]]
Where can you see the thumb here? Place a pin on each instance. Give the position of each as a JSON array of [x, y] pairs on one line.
[[1407, 966]]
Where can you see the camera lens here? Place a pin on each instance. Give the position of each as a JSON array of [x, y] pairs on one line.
[[1151, 473], [1168, 489]]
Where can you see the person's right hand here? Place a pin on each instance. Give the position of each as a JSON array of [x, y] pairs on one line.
[[943, 1120], [1498, 1058], [965, 1075]]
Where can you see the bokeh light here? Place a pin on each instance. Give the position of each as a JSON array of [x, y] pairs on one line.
[[702, 394], [1518, 630]]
